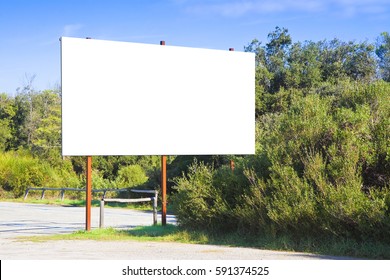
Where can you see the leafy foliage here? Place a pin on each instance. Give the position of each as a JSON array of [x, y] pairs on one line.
[[130, 176], [383, 53], [19, 170], [198, 203]]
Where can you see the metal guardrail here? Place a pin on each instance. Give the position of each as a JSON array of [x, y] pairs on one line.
[[154, 198], [131, 200], [62, 191]]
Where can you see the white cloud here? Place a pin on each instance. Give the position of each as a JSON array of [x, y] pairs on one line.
[[71, 29], [350, 8], [237, 8], [240, 8]]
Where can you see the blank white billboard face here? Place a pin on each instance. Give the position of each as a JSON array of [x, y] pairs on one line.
[[139, 99]]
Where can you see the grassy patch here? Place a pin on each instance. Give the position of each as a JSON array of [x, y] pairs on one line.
[[171, 233]]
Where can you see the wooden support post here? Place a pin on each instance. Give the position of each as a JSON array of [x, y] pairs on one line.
[[164, 189], [163, 181], [232, 165], [88, 194]]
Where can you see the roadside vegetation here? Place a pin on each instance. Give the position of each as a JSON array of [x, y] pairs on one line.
[[320, 178]]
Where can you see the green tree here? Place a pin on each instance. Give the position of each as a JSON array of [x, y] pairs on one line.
[[30, 117], [383, 53], [283, 64], [46, 139], [276, 56], [19, 120], [341, 60], [7, 112], [304, 65]]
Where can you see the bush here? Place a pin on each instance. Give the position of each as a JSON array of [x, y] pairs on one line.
[[251, 211], [291, 206], [197, 203], [230, 184], [348, 212], [131, 176], [19, 170], [326, 155]]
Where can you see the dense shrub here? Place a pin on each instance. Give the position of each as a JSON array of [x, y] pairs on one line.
[[19, 170], [198, 204], [322, 167], [130, 176]]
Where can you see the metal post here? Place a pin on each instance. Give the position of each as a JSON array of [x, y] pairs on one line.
[[43, 194], [26, 194], [164, 190], [88, 194], [62, 194], [155, 208], [101, 221]]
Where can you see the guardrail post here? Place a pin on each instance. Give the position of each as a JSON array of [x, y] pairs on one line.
[[88, 194], [43, 194], [155, 208], [26, 194], [101, 220], [62, 194]]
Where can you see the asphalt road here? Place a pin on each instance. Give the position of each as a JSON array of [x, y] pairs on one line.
[[21, 219], [24, 219]]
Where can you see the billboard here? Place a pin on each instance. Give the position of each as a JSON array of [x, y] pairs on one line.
[[121, 98]]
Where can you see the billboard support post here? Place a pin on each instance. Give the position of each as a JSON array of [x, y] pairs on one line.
[[163, 181], [164, 190], [88, 194]]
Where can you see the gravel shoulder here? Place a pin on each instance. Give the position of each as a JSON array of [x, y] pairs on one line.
[[133, 250]]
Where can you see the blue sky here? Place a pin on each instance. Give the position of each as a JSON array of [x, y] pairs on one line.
[[30, 30]]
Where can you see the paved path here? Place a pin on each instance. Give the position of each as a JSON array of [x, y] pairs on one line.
[[19, 219]]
